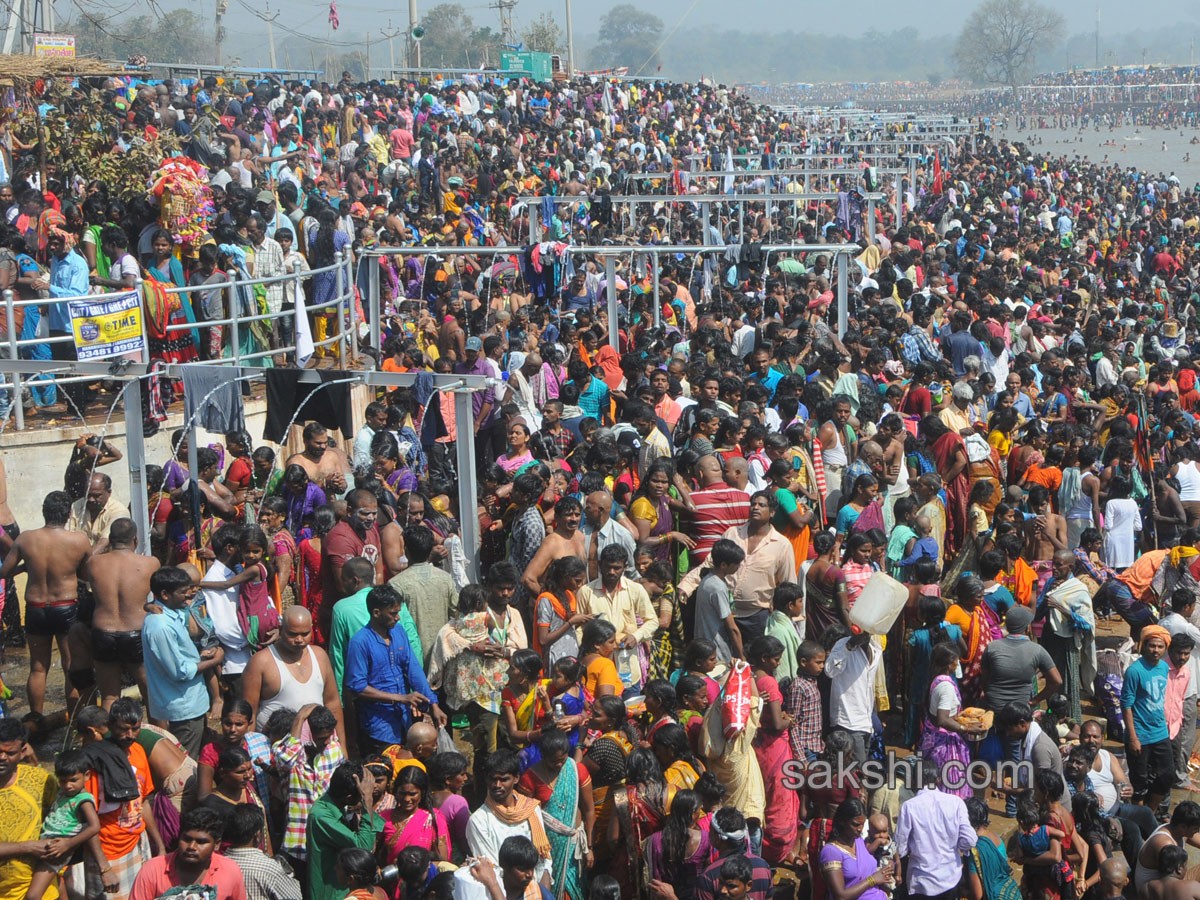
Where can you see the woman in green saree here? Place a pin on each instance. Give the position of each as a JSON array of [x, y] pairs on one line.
[[986, 872]]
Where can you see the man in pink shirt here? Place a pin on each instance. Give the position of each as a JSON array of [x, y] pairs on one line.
[[195, 864]]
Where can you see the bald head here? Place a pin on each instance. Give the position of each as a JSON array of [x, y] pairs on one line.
[[1114, 872], [869, 451], [297, 617], [421, 740], [597, 507], [737, 472], [709, 470]]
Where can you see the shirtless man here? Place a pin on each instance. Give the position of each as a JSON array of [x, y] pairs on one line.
[[325, 464], [1047, 532], [220, 498], [53, 560], [291, 673], [1182, 830], [1172, 882], [120, 581], [565, 540]]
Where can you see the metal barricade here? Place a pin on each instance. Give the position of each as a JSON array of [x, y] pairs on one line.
[[342, 306]]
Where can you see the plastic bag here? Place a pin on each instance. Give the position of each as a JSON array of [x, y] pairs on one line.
[[445, 742], [736, 699]]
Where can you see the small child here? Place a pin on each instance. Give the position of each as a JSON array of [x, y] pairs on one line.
[[803, 703], [72, 821], [1036, 838], [1057, 721], [256, 613], [567, 706], [925, 547], [691, 695], [879, 840]]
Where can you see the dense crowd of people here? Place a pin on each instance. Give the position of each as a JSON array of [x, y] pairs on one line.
[[727, 565]]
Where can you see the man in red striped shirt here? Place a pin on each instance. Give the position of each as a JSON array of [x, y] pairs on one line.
[[719, 507]]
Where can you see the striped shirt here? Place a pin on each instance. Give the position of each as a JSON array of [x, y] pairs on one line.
[[718, 509], [306, 782]]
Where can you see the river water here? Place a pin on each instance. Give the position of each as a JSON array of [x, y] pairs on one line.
[[1138, 147]]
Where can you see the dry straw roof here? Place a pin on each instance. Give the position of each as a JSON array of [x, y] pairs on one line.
[[17, 67]]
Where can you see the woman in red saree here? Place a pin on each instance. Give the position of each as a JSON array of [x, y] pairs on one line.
[[980, 626], [950, 454], [641, 806]]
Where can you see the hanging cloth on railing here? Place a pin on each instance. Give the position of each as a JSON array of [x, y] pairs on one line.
[[286, 394]]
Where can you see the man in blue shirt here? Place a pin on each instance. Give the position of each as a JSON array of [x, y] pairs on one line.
[[174, 667], [1143, 709], [959, 344], [68, 278], [385, 676]]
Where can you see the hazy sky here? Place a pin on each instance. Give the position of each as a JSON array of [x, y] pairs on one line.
[[937, 17]]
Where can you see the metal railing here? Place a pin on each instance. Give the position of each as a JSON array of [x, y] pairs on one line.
[[62, 371]]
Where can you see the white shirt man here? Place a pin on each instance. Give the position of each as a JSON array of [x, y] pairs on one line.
[[851, 668], [933, 832], [222, 609]]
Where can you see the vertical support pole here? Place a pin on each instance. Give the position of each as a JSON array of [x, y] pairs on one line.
[[374, 303], [342, 312], [464, 414], [610, 287], [706, 217], [135, 458], [870, 219], [843, 295], [15, 354], [897, 200], [657, 299], [535, 223], [235, 342], [194, 478], [741, 221]]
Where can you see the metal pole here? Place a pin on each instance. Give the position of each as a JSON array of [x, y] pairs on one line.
[[610, 285], [535, 224], [374, 302], [657, 299], [14, 351], [135, 457], [706, 214], [340, 279], [843, 294], [234, 337], [194, 478], [570, 43], [897, 200], [464, 414]]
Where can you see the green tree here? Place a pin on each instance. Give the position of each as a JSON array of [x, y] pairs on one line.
[[178, 36], [1002, 39], [629, 37], [544, 35]]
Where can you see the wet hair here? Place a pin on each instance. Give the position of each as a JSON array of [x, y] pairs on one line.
[[70, 762], [359, 865], [243, 824], [443, 766], [528, 663]]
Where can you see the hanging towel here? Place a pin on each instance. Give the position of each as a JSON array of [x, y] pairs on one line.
[[214, 399], [286, 394]]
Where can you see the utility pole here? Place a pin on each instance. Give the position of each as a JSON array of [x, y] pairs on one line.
[[270, 20], [414, 46], [505, 8], [389, 35], [570, 43], [222, 7]]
